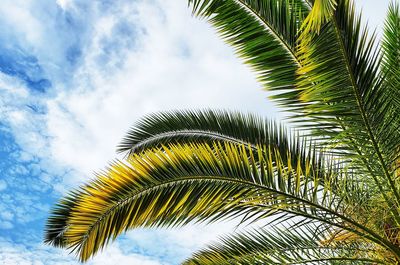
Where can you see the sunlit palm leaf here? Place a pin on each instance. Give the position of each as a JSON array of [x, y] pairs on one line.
[[176, 185], [208, 126], [322, 11]]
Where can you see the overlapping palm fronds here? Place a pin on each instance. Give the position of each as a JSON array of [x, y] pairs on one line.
[[329, 191], [284, 246]]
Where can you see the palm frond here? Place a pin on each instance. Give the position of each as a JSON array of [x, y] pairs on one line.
[[175, 185], [321, 12], [263, 33], [207, 126], [343, 97], [208, 166], [391, 51], [283, 246], [391, 80]]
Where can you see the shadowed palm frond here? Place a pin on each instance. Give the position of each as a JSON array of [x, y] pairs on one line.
[[284, 246], [390, 65], [263, 33], [250, 131], [206, 126], [391, 51]]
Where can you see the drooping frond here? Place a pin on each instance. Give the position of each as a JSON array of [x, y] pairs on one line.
[[263, 33], [303, 245], [180, 184], [58, 221], [206, 126], [209, 126]]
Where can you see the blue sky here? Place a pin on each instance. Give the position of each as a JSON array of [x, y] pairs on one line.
[[74, 76]]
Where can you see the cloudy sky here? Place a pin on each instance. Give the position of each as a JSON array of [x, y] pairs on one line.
[[74, 76]]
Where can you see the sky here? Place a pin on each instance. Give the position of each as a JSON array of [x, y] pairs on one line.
[[74, 76]]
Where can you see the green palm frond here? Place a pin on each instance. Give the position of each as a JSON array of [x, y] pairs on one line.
[[206, 126], [391, 51], [283, 246], [391, 83], [210, 126], [263, 33], [343, 95], [331, 79], [180, 184]]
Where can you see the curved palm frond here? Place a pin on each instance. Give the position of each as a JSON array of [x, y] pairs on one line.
[[211, 126], [197, 182], [263, 33], [207, 126], [284, 246], [329, 71]]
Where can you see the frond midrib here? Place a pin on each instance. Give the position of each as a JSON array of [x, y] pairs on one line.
[[361, 108], [188, 132], [271, 29], [373, 236]]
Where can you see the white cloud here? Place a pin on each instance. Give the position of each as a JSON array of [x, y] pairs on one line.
[[21, 20], [7, 215], [177, 62], [113, 255], [64, 4], [17, 254], [14, 112], [178, 243]]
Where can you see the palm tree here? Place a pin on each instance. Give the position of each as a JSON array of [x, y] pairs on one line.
[[328, 192]]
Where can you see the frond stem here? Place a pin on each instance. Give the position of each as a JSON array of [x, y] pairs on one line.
[[269, 28], [374, 237]]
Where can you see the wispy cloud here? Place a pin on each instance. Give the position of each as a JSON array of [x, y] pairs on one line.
[[12, 253]]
